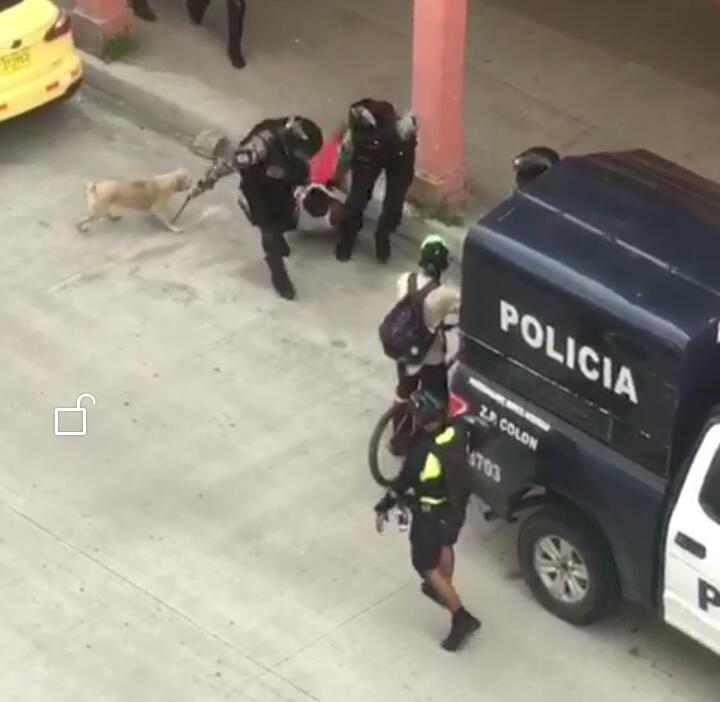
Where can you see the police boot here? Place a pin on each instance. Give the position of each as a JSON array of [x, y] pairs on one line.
[[143, 10], [344, 248], [464, 625], [280, 279], [382, 246]]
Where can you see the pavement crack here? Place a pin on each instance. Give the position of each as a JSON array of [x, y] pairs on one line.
[[145, 592], [337, 627]]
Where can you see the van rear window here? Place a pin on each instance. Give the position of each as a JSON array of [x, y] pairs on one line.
[[7, 4]]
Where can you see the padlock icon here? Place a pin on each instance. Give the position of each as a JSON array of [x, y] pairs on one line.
[[77, 411]]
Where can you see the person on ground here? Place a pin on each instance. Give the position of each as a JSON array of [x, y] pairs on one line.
[[433, 473], [376, 141], [272, 161]]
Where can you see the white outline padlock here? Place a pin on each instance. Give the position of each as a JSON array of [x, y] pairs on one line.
[[77, 408]]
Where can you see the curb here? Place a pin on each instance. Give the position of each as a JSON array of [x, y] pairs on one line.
[[154, 101]]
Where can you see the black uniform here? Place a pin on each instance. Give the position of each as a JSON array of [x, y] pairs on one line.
[[272, 162], [377, 142]]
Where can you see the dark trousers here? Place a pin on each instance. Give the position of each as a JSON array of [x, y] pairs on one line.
[[235, 25], [399, 173], [271, 208]]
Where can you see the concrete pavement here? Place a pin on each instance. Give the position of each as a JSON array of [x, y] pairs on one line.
[[211, 537]]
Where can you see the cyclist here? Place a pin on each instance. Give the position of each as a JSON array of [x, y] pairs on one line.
[[433, 472], [440, 303]]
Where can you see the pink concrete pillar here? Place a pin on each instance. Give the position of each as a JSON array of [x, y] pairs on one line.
[[438, 87], [96, 21]]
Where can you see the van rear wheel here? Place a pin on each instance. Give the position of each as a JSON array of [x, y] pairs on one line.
[[567, 566]]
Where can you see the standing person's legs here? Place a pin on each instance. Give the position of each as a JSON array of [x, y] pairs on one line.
[[143, 10], [196, 9], [428, 536], [433, 377], [399, 174], [364, 177], [402, 423], [236, 25]]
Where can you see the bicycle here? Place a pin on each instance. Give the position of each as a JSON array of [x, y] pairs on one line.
[[388, 442]]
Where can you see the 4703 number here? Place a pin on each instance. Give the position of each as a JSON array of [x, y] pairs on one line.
[[485, 466]]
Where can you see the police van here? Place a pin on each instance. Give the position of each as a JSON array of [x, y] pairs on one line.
[[589, 379]]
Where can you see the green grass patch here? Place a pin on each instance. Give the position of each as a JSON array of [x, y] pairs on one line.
[[442, 212], [120, 46]]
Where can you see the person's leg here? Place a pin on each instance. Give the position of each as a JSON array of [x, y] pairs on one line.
[[196, 9], [399, 173], [143, 10], [428, 539], [236, 26], [447, 562], [402, 423], [351, 222], [272, 243]]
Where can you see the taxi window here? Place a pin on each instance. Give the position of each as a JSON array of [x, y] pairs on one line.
[[710, 495]]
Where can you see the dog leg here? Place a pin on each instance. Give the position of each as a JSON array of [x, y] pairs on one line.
[[236, 25], [113, 214], [82, 224], [159, 212]]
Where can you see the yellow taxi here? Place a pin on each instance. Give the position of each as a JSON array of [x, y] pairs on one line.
[[38, 60]]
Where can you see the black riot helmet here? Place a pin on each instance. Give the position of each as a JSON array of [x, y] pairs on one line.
[[427, 409], [532, 163], [302, 137]]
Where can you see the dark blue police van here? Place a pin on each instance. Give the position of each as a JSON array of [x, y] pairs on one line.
[[589, 378]]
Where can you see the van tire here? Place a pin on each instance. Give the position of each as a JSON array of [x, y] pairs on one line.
[[557, 532]]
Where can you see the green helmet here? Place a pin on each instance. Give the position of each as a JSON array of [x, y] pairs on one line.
[[434, 254]]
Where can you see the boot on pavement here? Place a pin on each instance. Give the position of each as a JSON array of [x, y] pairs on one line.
[[464, 625], [280, 279], [382, 247]]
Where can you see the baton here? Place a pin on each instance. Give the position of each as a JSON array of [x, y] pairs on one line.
[[182, 209]]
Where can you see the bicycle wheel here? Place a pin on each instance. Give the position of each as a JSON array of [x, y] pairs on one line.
[[384, 465]]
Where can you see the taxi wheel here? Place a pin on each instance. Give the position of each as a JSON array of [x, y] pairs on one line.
[[567, 566]]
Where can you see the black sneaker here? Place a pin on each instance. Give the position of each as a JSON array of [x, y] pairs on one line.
[[464, 625], [430, 592]]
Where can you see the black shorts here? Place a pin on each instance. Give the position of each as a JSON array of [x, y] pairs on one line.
[[429, 533]]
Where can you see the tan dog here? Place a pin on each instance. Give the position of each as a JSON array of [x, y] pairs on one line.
[[106, 198]]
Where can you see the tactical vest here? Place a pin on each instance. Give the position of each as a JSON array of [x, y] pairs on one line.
[[281, 163], [375, 143], [432, 489]]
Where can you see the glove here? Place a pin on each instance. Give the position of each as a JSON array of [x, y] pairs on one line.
[[202, 186], [380, 519], [387, 503]]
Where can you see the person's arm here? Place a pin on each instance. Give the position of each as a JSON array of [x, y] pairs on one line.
[[344, 158], [254, 152], [407, 479]]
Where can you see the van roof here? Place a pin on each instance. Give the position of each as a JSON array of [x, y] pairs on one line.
[[628, 231]]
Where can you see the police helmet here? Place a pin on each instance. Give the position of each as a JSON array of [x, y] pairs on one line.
[[303, 137], [434, 255], [532, 163], [427, 408]]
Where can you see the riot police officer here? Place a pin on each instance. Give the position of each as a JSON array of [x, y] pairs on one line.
[[272, 161], [377, 140]]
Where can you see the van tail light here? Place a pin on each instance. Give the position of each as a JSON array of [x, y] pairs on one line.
[[458, 406], [61, 27]]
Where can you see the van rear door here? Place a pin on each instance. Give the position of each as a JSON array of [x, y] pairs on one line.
[[691, 597]]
